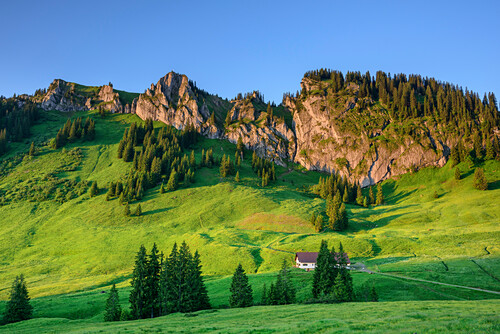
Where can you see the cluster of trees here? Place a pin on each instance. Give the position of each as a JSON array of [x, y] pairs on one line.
[[264, 168], [226, 166], [414, 96], [161, 154], [335, 184], [478, 153], [163, 285], [332, 280], [337, 214], [282, 291], [15, 120], [366, 201], [207, 158], [72, 131]]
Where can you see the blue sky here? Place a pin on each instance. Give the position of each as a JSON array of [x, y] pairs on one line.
[[238, 46]]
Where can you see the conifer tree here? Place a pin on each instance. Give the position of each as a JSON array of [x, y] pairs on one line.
[[313, 219], [264, 299], [366, 202], [199, 293], [239, 146], [93, 189], [344, 220], [18, 306], [373, 294], [241, 291], [192, 160], [138, 297], [458, 175], [283, 292], [322, 279], [480, 181], [152, 284], [339, 289], [319, 224], [172, 181], [345, 197], [371, 196], [113, 310], [237, 177], [380, 195], [32, 150], [162, 189], [128, 153], [138, 211], [126, 211], [359, 196], [490, 152]]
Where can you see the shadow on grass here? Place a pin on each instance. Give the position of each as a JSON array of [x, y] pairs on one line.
[[494, 185], [152, 212]]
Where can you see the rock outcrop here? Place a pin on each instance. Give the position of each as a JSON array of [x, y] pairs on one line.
[[61, 96], [333, 134]]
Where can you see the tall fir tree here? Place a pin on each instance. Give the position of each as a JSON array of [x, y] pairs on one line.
[[137, 299], [172, 181], [241, 291], [322, 277], [480, 181], [152, 292], [380, 195], [18, 306], [113, 310]]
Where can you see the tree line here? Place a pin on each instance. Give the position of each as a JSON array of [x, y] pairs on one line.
[[17, 115]]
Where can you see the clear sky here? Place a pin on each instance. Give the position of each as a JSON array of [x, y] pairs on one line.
[[238, 46]]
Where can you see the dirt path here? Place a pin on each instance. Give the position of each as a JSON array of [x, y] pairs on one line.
[[361, 267], [285, 173]]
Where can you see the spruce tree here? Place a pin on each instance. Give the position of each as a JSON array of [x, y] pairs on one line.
[[480, 181], [126, 211], [339, 289], [138, 211], [137, 299], [319, 224], [237, 177], [128, 153], [380, 195], [18, 306], [371, 196], [264, 299], [345, 197], [359, 196], [152, 284], [344, 220], [322, 280], [197, 292], [172, 181], [162, 189], [241, 291], [113, 310], [93, 189], [373, 294], [490, 151], [458, 175], [32, 150], [283, 292], [240, 146]]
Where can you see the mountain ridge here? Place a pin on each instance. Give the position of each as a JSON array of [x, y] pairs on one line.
[[365, 128]]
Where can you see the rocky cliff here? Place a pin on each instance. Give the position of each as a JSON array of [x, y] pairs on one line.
[[357, 137]]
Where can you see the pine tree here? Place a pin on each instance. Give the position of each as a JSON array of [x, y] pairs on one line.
[[138, 211], [128, 153], [126, 211], [264, 299], [237, 177], [319, 224], [113, 309], [93, 189], [240, 146], [152, 284], [32, 150], [322, 279], [490, 152], [480, 181], [366, 202], [359, 196], [172, 181], [18, 306], [373, 295], [371, 197], [162, 189], [283, 292], [345, 197], [137, 297], [380, 195], [344, 220], [241, 291], [339, 289], [458, 175]]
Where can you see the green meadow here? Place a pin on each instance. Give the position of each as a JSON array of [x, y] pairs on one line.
[[71, 252]]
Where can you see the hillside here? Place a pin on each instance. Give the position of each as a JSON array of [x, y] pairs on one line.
[[71, 245], [70, 242]]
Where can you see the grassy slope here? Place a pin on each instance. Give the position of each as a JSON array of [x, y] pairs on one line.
[[85, 244], [397, 317]]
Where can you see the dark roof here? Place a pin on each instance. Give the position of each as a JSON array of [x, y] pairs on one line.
[[310, 257]]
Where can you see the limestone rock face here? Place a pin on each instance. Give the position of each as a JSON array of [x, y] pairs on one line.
[[268, 138], [172, 101], [331, 137], [61, 96]]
